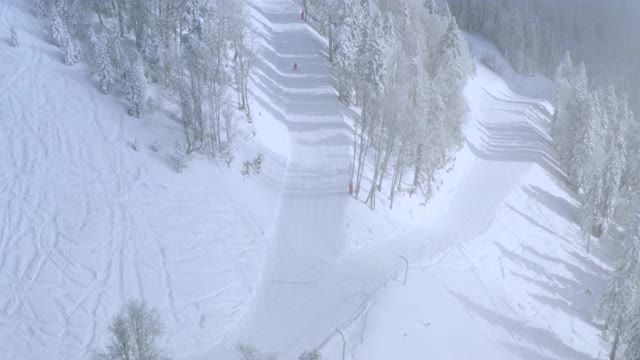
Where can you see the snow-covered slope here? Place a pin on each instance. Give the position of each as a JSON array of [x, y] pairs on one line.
[[86, 222], [496, 267]]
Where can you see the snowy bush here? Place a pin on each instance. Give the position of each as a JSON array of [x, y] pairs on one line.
[[13, 41], [247, 352], [310, 355], [134, 145], [252, 167], [180, 156], [246, 167], [134, 333], [155, 147], [257, 164]]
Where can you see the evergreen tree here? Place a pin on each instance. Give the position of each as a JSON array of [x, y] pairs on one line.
[[347, 42], [58, 29], [612, 179], [72, 53], [631, 337], [619, 302], [454, 65], [42, 8], [150, 49], [105, 70], [94, 45], [136, 87], [591, 217]]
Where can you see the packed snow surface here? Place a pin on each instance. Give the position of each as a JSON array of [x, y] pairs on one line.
[[285, 259]]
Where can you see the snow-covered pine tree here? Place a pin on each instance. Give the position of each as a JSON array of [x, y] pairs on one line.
[[431, 6], [613, 172], [583, 162], [105, 70], [454, 67], [454, 63], [590, 212], [118, 57], [564, 90], [370, 61], [13, 40], [631, 337], [72, 53], [347, 40], [150, 50], [631, 175], [58, 29], [619, 302], [42, 8], [71, 11], [136, 87], [94, 45], [577, 129]]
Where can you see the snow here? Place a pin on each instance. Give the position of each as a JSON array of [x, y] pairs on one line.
[[87, 222], [282, 259]]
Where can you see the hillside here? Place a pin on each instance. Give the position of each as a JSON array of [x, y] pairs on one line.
[[96, 214]]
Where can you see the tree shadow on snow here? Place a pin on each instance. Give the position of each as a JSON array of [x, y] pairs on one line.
[[575, 293], [534, 222], [541, 338], [562, 207]]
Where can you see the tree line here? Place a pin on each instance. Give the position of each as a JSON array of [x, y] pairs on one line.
[[402, 65]]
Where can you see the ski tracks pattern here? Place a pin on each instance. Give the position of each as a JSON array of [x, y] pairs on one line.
[[86, 224]]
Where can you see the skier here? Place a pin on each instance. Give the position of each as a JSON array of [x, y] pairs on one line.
[[295, 66], [350, 187], [302, 15]]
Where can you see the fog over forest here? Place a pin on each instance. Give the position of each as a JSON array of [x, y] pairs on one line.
[[603, 34]]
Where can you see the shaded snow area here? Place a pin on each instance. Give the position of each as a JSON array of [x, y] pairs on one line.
[[283, 259]]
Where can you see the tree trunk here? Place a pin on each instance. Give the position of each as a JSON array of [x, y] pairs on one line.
[[330, 41], [418, 169], [385, 161], [616, 341]]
